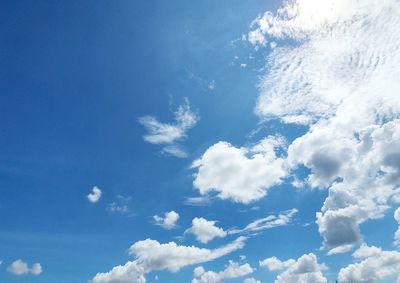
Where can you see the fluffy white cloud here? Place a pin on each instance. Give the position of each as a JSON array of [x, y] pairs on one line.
[[151, 255], [205, 230], [95, 195], [233, 270], [168, 221], [271, 221], [375, 265], [168, 134], [240, 174], [251, 280], [303, 270], [338, 79], [20, 267]]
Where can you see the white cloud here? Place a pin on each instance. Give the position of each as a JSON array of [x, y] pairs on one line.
[[36, 269], [95, 195], [20, 267], [233, 270], [170, 133], [338, 79], [251, 280], [205, 230], [269, 222], [397, 234], [120, 205], [305, 269], [240, 174], [151, 255], [375, 265], [168, 221]]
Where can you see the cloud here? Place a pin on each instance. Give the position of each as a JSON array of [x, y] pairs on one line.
[[95, 195], [233, 270], [338, 80], [168, 221], [168, 134], [305, 269], [205, 230], [120, 205], [269, 222], [375, 265], [20, 267], [240, 174], [251, 280], [397, 234], [151, 255]]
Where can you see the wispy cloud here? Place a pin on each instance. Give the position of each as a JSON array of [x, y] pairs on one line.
[[168, 134]]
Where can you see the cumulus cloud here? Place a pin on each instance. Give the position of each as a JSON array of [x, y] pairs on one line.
[[168, 221], [271, 221], [205, 230], [169, 133], [20, 267], [243, 174], [251, 280], [374, 265], [305, 269], [340, 78], [95, 195], [151, 255], [233, 270]]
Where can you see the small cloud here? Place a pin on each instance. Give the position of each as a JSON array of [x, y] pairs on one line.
[[205, 230], [20, 267], [95, 195], [198, 201], [211, 85], [168, 134], [120, 205], [168, 221]]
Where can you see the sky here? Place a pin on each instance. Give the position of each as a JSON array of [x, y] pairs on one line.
[[200, 141]]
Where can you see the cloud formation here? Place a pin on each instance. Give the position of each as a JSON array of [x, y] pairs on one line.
[[242, 174], [151, 255], [20, 267], [168, 221], [305, 269], [269, 222], [340, 79], [168, 134], [397, 234], [205, 230], [374, 266], [233, 270], [95, 195]]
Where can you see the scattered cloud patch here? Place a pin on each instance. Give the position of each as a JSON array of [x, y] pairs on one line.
[[338, 81], [20, 267], [269, 222], [205, 230], [233, 270], [168, 134], [150, 255], [374, 266], [243, 174], [397, 234], [95, 195], [305, 269], [168, 221], [120, 205]]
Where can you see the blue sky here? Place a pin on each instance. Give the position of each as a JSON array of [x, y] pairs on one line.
[[207, 110]]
